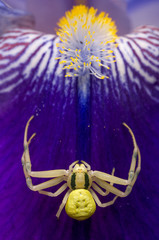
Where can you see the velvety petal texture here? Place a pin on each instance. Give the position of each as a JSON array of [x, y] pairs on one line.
[[130, 95], [11, 18], [68, 118]]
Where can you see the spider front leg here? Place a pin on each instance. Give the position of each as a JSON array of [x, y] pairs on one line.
[[87, 165], [72, 165], [136, 154], [58, 175], [101, 177], [27, 163]]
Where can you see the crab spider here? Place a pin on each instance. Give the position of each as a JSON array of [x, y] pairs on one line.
[[80, 198]]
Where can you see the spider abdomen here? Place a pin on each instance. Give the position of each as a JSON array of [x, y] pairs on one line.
[[80, 204]]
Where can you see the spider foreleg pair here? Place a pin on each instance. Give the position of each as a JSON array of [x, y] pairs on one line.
[[83, 183]]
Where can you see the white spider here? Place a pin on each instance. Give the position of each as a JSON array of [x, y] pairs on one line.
[[80, 177]]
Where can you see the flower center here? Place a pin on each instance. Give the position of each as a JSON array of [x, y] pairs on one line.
[[86, 41]]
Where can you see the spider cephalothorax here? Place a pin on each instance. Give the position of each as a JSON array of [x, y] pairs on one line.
[[82, 182], [79, 178]]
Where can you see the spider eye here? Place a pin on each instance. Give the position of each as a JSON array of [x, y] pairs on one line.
[[80, 205]]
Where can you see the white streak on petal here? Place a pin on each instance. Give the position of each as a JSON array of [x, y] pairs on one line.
[[120, 66], [27, 55], [53, 61], [10, 87], [137, 61]]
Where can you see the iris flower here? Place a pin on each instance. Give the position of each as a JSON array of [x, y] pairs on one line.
[[78, 121]]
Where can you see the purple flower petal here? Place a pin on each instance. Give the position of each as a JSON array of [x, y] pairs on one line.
[[131, 95], [31, 83], [29, 86], [11, 18]]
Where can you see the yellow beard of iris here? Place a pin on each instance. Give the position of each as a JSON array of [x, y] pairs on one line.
[[86, 42], [80, 204]]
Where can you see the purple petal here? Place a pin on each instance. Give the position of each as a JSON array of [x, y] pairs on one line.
[[29, 86], [11, 18], [130, 95], [31, 83], [143, 12]]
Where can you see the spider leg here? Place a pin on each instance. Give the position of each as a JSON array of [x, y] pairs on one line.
[[99, 202], [113, 189], [27, 163], [99, 190], [132, 175], [23, 156], [136, 153], [109, 178], [87, 165], [63, 203], [55, 194], [72, 165], [43, 185]]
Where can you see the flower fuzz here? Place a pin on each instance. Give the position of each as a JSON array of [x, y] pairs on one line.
[[86, 41]]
